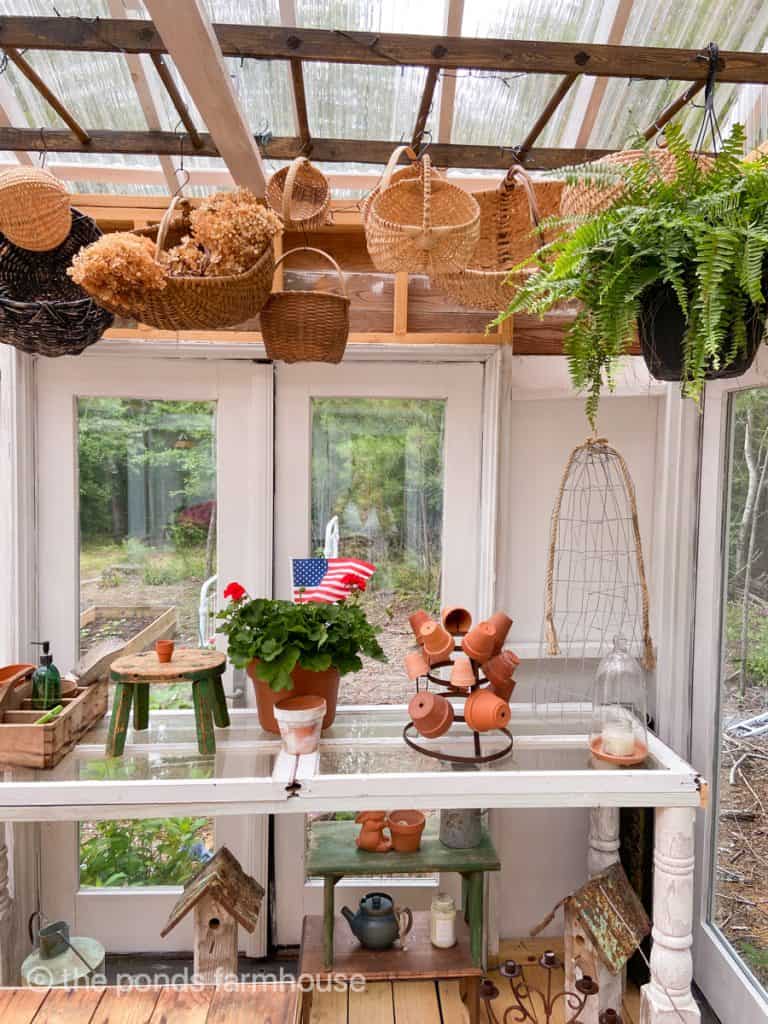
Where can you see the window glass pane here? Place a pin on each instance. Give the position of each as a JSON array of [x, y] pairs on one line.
[[740, 863], [377, 464], [153, 851]]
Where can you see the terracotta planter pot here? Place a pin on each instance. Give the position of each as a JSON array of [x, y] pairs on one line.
[[417, 620], [300, 720], [305, 683], [416, 665], [462, 676], [406, 827], [502, 623], [499, 671], [164, 650], [457, 621], [480, 642], [484, 711], [431, 713], [438, 643]]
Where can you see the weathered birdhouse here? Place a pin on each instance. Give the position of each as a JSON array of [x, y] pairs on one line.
[[222, 896]]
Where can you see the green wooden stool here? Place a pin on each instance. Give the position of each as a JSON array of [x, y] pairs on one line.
[[133, 675]]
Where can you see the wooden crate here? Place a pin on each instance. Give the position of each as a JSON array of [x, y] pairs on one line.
[[26, 745]]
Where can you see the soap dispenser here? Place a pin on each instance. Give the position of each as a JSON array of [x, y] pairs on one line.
[[46, 682]]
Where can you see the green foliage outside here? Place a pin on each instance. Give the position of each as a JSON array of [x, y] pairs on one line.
[[154, 851]]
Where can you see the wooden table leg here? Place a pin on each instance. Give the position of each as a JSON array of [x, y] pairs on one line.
[[218, 702], [206, 740], [475, 916], [329, 910], [141, 706], [118, 723], [470, 994]]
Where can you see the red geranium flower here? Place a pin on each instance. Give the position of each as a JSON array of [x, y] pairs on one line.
[[354, 581], [234, 591]]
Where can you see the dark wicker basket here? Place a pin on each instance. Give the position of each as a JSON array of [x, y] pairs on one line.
[[42, 311]]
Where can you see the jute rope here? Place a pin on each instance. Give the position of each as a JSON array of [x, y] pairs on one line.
[[553, 647]]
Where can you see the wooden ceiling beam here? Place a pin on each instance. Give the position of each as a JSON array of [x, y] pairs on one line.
[[287, 10], [103, 35], [365, 151], [425, 106], [669, 112], [595, 87], [26, 69], [545, 116], [454, 18], [181, 108]]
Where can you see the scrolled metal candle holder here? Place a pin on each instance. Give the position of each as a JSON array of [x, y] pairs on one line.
[[573, 1002]]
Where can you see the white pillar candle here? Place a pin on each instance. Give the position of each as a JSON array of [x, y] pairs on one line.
[[618, 739]]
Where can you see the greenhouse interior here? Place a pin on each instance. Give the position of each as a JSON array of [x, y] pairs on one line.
[[384, 549]]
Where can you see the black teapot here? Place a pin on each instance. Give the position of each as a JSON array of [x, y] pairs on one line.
[[378, 922]]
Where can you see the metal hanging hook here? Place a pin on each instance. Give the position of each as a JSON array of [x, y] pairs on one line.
[[44, 150], [181, 170]]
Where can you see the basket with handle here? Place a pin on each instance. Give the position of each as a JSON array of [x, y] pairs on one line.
[[306, 326], [392, 173], [300, 194], [509, 232], [189, 303], [35, 209], [421, 225]]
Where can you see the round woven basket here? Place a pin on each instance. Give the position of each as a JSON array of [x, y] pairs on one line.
[[300, 194], [392, 173], [35, 211], [198, 303], [42, 311], [585, 200], [306, 326], [509, 218], [422, 225]]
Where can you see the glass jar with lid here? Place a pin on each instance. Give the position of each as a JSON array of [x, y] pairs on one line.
[[619, 708], [442, 924]]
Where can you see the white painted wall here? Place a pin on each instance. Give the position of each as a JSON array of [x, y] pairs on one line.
[[544, 853]]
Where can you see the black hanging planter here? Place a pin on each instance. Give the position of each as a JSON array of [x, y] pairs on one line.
[[661, 326]]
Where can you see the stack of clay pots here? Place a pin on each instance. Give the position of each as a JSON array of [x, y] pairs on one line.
[[468, 651]]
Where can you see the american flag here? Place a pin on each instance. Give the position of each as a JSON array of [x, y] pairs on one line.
[[328, 580]]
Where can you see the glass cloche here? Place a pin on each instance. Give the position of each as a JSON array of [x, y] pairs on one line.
[[619, 706]]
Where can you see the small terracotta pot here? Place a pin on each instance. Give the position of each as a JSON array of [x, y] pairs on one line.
[[417, 620], [480, 642], [406, 827], [164, 650], [483, 711], [438, 643], [462, 676], [323, 684], [457, 621], [416, 665], [300, 720], [499, 671], [502, 623], [431, 713]]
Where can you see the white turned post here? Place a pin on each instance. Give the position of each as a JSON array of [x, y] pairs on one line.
[[603, 839], [6, 914], [667, 998]]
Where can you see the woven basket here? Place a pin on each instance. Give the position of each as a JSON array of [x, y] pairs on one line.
[[393, 173], [586, 200], [35, 210], [422, 225], [306, 326], [42, 311], [509, 216], [300, 194], [199, 303]]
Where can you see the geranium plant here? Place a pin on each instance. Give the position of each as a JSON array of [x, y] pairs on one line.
[[698, 241], [281, 635]]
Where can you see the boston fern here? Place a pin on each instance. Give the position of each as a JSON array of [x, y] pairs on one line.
[[703, 234], [281, 635]]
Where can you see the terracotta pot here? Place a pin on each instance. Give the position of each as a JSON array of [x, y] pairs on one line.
[[305, 683], [502, 623], [483, 711], [438, 643], [416, 665], [457, 621], [480, 642], [462, 676], [417, 620], [406, 827], [431, 713], [164, 650], [300, 720], [499, 671]]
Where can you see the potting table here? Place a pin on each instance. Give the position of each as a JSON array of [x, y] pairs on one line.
[[332, 854], [133, 675]]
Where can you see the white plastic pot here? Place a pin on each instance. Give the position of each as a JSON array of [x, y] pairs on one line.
[[300, 720]]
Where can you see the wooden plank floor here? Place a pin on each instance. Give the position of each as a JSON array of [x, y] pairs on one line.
[[240, 1004]]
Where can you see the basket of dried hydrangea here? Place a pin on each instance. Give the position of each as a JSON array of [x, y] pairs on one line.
[[198, 269]]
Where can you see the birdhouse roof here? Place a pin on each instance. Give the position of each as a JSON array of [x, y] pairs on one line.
[[611, 913], [224, 879]]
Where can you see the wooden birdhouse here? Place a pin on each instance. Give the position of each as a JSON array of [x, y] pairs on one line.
[[222, 896]]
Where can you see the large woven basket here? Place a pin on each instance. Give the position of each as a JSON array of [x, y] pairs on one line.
[[509, 219], [199, 303], [306, 326], [300, 193], [392, 173], [35, 210], [422, 225], [42, 311], [585, 199]]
